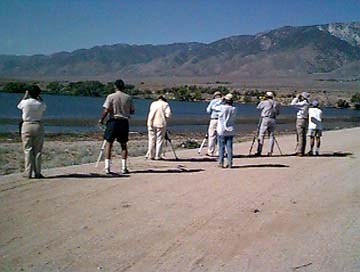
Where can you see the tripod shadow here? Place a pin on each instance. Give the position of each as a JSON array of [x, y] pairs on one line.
[[166, 171], [201, 159], [90, 175], [262, 156], [332, 154], [267, 165]]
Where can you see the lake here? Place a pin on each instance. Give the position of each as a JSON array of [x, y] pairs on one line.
[[67, 114]]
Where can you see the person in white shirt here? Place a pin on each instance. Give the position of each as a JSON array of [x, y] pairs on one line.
[[301, 102], [156, 123], [32, 130], [315, 127], [216, 101], [225, 129]]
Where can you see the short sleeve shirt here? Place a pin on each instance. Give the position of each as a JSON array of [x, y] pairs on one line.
[[32, 109], [120, 104]]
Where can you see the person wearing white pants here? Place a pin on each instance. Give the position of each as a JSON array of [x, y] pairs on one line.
[[32, 130], [216, 101], [157, 121]]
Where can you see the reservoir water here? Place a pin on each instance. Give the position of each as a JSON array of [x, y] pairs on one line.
[[80, 114]]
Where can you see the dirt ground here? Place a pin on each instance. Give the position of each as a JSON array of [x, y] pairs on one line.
[[282, 213]]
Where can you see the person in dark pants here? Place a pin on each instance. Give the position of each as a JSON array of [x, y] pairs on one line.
[[119, 106]]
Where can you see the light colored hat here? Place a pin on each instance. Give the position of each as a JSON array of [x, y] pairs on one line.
[[306, 95], [269, 94], [217, 93], [229, 96], [315, 103]]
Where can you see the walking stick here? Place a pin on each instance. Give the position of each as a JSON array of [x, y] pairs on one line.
[[101, 153], [256, 135], [167, 138], [202, 143]]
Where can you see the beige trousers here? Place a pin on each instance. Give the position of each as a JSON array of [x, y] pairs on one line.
[[32, 136], [156, 141], [301, 125], [212, 136]]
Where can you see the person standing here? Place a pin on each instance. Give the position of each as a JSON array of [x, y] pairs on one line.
[[216, 101], [32, 130], [315, 127], [301, 102], [156, 123], [225, 129], [119, 106], [269, 110]]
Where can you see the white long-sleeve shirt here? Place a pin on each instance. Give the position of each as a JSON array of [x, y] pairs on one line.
[[159, 112], [226, 121]]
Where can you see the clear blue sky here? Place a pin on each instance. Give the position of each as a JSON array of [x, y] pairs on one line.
[[48, 26]]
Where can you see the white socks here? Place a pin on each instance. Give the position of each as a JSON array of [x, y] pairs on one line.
[[123, 164], [107, 164]]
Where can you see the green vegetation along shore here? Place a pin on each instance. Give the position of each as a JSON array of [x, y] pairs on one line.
[[183, 93]]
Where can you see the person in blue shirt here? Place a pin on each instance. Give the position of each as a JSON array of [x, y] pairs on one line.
[[216, 101]]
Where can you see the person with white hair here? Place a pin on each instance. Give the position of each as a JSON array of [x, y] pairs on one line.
[[216, 101], [225, 129], [302, 103], [269, 110]]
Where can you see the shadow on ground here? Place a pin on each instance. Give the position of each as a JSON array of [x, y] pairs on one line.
[[267, 165], [165, 171], [90, 175]]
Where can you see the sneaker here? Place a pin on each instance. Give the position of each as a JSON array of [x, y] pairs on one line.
[[310, 153], [40, 176], [257, 154], [124, 171], [317, 153], [107, 171]]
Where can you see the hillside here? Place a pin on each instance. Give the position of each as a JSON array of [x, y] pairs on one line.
[[286, 51]]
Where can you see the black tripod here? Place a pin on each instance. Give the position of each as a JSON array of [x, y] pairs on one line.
[[167, 138]]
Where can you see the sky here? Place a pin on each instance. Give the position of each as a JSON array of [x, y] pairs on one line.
[[30, 27]]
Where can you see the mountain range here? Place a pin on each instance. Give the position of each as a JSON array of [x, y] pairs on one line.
[[330, 49]]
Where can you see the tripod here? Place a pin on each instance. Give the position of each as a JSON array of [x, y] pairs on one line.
[[167, 138], [256, 136], [203, 143]]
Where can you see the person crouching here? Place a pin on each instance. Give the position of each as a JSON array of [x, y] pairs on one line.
[[32, 130], [225, 130], [156, 123]]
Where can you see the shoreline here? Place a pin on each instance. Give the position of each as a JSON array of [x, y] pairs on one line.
[[75, 149]]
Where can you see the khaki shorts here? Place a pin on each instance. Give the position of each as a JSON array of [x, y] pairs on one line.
[[314, 132]]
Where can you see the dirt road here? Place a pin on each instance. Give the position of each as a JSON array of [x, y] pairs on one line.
[[282, 213]]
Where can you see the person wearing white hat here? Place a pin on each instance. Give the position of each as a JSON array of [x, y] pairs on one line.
[[156, 123], [269, 110], [302, 103], [216, 101], [225, 130]]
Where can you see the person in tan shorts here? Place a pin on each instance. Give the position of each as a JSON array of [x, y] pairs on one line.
[[32, 130]]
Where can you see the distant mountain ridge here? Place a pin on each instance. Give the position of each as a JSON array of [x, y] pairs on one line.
[[286, 51]]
